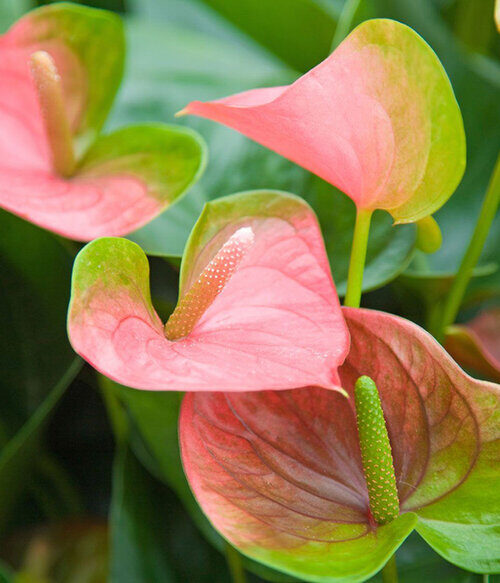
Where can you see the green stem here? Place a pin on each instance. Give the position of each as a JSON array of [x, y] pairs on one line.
[[433, 314], [486, 578], [235, 564], [390, 571], [358, 258], [483, 225]]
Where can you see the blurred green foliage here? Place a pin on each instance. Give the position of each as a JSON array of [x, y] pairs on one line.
[[179, 50]]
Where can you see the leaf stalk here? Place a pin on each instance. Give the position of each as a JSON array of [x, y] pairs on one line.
[[390, 571], [235, 564], [471, 257], [358, 258]]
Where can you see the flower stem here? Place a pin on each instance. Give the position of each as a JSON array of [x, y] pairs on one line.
[[486, 578], [433, 313], [483, 225], [358, 257], [390, 571], [235, 564], [51, 98]]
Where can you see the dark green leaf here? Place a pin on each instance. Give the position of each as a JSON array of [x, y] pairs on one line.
[[18, 455], [6, 575], [151, 532], [36, 360], [433, 286], [300, 32], [34, 350], [154, 439], [137, 555]]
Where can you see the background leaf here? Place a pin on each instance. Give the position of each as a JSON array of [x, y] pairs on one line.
[[35, 353], [279, 26], [36, 360], [476, 345], [6, 575], [18, 455], [416, 560], [11, 10], [136, 553], [154, 439]]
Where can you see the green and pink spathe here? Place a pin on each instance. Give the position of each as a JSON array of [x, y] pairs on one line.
[[280, 474], [61, 66], [377, 119], [257, 305]]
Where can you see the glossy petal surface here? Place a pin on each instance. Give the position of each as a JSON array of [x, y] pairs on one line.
[[349, 120], [124, 179], [476, 345], [279, 474], [276, 324]]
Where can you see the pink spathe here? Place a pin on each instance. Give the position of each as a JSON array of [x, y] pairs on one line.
[[280, 474], [376, 119], [83, 207], [275, 324], [107, 196]]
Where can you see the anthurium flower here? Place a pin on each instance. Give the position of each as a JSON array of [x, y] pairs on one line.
[[257, 308], [476, 345], [60, 68], [280, 474], [378, 119]]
